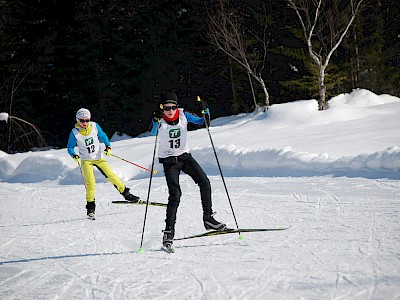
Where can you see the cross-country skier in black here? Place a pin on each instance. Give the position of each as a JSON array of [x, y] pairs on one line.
[[174, 154]]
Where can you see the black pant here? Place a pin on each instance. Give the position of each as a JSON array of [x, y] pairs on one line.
[[172, 168]]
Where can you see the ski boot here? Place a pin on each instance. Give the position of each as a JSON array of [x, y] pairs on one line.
[[129, 197], [211, 224], [168, 239], [90, 206]]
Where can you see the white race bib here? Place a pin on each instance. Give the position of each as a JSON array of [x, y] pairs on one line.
[[173, 138]]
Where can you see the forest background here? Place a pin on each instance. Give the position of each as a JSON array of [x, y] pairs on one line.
[[117, 57]]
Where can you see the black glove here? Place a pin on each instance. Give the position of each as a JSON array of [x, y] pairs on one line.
[[204, 105], [155, 120], [156, 116], [76, 158], [205, 111]]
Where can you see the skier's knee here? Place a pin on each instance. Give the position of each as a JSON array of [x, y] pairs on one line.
[[205, 184]]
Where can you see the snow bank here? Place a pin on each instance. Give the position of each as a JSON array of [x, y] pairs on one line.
[[291, 139], [362, 98], [289, 162]]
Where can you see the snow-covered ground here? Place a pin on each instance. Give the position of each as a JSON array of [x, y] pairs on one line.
[[332, 175]]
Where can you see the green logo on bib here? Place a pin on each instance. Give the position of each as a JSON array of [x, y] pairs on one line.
[[89, 141], [175, 133]]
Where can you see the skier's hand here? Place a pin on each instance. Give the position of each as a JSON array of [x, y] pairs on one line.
[[107, 151], [156, 117], [206, 111], [207, 116], [155, 120], [77, 159]]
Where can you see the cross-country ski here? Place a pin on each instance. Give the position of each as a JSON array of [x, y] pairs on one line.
[[229, 231], [140, 202]]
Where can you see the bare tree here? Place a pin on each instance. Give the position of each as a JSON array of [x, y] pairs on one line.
[[21, 133], [324, 32], [226, 32], [27, 135], [11, 85]]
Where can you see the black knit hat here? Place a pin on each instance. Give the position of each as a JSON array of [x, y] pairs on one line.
[[170, 97]]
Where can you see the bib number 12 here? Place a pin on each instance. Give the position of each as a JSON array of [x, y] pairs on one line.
[[90, 149]]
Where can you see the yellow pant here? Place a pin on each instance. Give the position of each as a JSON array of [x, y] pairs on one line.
[[105, 169]]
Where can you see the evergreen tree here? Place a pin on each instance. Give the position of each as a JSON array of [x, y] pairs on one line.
[[116, 57]]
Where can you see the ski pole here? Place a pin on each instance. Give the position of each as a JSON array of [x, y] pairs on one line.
[[154, 171], [204, 107], [148, 192]]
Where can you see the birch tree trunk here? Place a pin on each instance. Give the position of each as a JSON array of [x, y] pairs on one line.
[[313, 19]]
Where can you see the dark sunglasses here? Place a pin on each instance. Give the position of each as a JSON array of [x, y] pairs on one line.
[[168, 108], [84, 121]]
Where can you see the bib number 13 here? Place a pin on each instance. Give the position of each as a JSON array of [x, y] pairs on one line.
[[175, 143]]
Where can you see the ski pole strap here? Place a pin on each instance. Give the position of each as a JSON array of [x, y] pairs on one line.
[[206, 115], [203, 103]]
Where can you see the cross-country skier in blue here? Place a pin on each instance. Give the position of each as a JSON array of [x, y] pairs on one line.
[[87, 136]]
